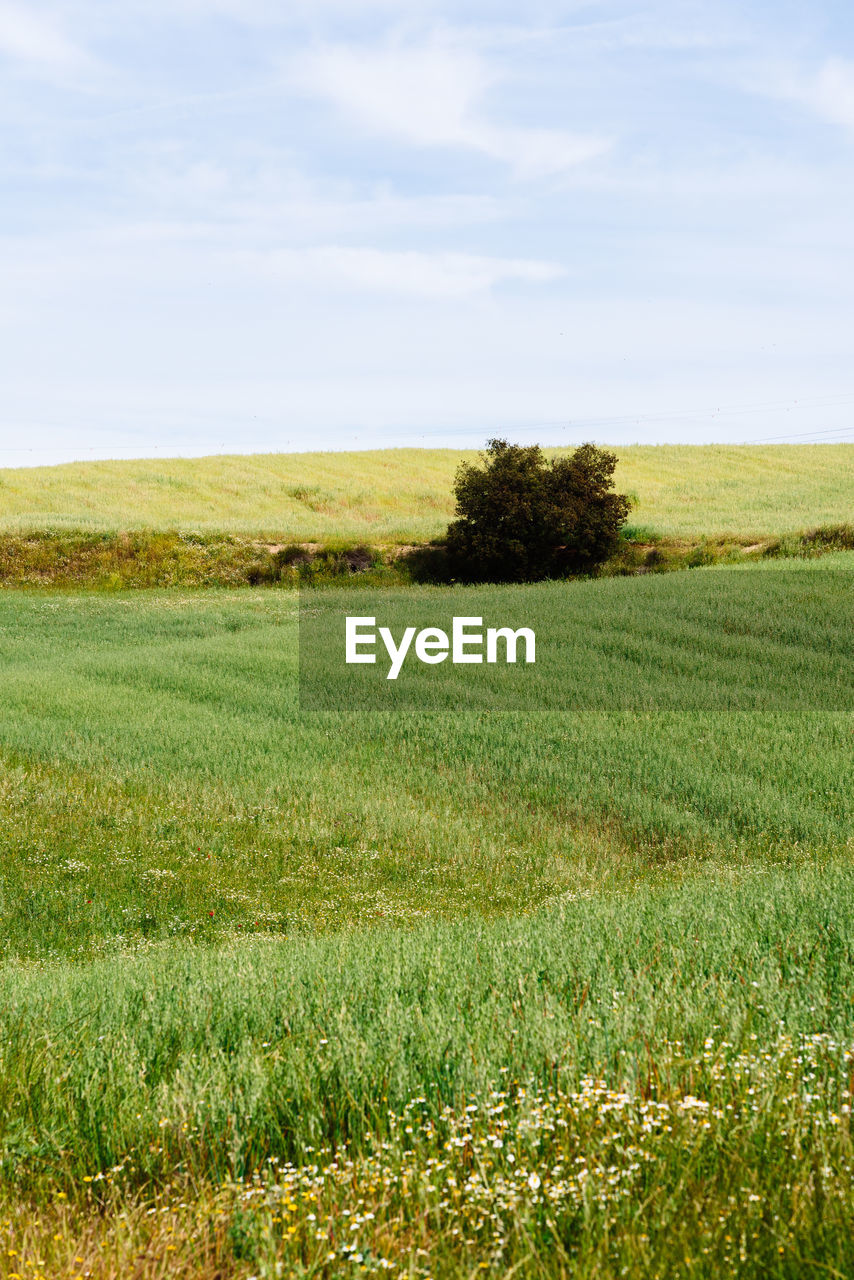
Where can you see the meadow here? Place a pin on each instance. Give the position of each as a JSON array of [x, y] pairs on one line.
[[655, 1082], [553, 980], [161, 777], [404, 495]]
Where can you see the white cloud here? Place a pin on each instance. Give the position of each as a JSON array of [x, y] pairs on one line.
[[832, 92], [412, 272], [431, 96], [827, 92], [266, 197], [34, 38]]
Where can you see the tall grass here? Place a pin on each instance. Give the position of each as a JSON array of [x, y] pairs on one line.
[[556, 990], [405, 495], [659, 1079], [161, 780]]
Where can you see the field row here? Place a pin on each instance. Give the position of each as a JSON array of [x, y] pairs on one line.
[[162, 778]]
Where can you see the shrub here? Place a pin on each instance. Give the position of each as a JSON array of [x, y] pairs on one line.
[[815, 542], [521, 518]]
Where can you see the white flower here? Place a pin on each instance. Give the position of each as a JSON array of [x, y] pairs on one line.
[[534, 1181]]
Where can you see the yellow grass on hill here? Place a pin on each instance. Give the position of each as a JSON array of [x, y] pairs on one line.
[[404, 495]]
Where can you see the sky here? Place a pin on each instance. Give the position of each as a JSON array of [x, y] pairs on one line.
[[240, 225]]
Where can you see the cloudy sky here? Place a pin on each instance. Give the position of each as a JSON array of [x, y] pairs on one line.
[[238, 225]]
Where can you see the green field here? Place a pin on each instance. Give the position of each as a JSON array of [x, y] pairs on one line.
[[653, 1082], [554, 977], [404, 495]]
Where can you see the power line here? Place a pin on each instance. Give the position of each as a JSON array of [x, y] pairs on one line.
[[807, 435], [598, 424]]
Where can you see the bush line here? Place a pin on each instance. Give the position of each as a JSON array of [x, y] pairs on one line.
[[144, 558]]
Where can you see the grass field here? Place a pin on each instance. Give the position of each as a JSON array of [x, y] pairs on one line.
[[656, 1082], [158, 764], [404, 495], [559, 981]]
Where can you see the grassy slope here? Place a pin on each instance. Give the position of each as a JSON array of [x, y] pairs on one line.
[[403, 495], [650, 1084], [670, 903], [161, 781]]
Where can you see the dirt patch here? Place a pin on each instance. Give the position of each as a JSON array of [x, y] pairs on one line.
[[274, 547]]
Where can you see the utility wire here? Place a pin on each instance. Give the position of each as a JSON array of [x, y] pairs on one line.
[[694, 416]]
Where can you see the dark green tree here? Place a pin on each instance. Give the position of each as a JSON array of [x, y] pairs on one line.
[[521, 517]]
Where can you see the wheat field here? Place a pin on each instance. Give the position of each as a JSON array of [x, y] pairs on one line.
[[553, 986], [405, 495]]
